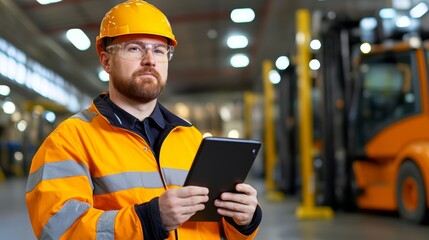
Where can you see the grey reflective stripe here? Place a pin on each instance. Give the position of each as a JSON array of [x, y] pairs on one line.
[[174, 177], [55, 170], [106, 225], [59, 223], [127, 180], [85, 115]]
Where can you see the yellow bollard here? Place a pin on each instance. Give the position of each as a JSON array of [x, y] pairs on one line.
[[307, 209], [269, 143], [2, 176]]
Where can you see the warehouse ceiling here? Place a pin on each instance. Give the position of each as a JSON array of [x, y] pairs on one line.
[[201, 60]]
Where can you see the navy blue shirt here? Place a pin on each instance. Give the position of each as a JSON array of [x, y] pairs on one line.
[[150, 128]]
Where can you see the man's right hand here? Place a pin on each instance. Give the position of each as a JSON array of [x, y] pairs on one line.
[[179, 204]]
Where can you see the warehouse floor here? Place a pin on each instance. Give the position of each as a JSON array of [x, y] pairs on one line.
[[279, 221]]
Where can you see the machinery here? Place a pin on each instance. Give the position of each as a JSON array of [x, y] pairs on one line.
[[374, 115], [389, 129]]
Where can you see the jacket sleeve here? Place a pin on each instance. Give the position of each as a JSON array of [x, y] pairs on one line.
[[234, 231], [59, 196]]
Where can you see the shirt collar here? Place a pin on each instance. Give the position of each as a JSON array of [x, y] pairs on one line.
[[126, 118]]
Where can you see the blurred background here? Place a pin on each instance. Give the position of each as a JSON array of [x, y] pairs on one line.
[[336, 90]]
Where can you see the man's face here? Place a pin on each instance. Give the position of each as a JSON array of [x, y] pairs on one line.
[[139, 80]]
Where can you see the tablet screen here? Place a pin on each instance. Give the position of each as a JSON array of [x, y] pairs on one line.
[[220, 164]]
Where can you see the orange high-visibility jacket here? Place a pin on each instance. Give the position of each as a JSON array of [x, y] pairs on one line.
[[88, 175]]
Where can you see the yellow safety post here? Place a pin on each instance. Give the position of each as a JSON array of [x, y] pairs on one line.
[[270, 143], [308, 208], [2, 176], [249, 101]]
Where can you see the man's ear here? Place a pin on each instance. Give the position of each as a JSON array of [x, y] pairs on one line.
[[105, 61]]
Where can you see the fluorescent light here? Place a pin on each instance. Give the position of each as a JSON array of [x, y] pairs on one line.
[[242, 15], [239, 60], [419, 10], [401, 4], [45, 2], [78, 38], [368, 23], [387, 13], [238, 41], [403, 22]]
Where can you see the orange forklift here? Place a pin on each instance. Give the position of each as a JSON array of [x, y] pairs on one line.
[[374, 111], [389, 126]]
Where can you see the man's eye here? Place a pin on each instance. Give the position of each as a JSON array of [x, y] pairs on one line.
[[134, 48], [160, 50]]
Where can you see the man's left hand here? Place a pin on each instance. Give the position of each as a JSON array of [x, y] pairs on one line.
[[240, 206]]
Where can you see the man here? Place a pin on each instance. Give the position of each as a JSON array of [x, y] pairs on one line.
[[116, 169]]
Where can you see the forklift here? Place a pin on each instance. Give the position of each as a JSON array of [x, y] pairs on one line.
[[374, 122]]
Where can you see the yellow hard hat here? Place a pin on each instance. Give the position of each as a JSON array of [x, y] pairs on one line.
[[134, 17]]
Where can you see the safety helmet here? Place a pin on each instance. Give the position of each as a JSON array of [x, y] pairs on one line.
[[134, 17]]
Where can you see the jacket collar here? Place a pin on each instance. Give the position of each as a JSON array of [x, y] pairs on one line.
[[105, 109]]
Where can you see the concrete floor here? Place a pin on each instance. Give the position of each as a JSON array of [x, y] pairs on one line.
[[279, 221]]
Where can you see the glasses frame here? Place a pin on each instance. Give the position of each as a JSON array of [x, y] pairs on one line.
[[147, 47]]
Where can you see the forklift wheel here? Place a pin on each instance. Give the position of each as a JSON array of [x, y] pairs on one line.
[[410, 193]]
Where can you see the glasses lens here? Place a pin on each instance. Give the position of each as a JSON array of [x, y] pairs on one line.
[[139, 51]]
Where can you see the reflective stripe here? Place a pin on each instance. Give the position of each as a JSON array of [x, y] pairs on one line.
[[54, 170], [129, 180], [106, 225], [59, 223], [175, 177], [85, 115]]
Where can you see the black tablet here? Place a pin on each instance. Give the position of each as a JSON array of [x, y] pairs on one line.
[[220, 164]]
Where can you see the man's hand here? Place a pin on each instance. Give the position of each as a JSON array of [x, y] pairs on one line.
[[179, 204], [239, 206]]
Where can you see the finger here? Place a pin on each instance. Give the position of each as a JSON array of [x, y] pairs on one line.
[[191, 210], [246, 189], [233, 206], [194, 200], [239, 218], [239, 198], [189, 191]]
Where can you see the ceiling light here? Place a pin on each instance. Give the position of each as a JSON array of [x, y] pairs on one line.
[[401, 4], [103, 75], [4, 90], [9, 107], [274, 76], [282, 62], [387, 13], [314, 64], [365, 48], [45, 2], [239, 60], [50, 116], [368, 23], [238, 41], [212, 34], [419, 10], [315, 44], [78, 38], [403, 22], [242, 15]]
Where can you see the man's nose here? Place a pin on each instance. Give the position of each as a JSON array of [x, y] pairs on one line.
[[149, 58]]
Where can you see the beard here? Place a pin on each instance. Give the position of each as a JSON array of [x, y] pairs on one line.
[[139, 87]]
